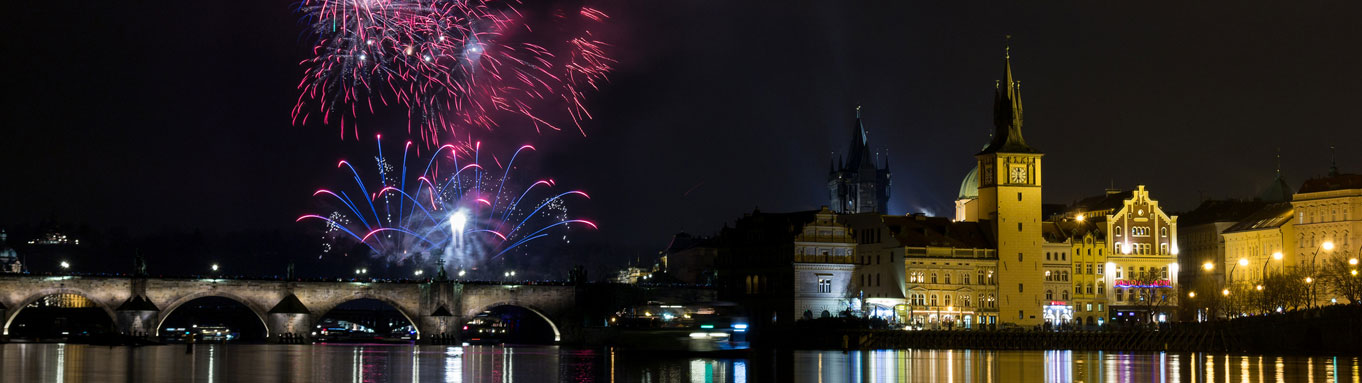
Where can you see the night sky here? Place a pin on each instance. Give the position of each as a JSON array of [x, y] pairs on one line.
[[175, 115]]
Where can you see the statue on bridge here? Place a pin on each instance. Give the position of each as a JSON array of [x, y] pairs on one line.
[[139, 265], [289, 275]]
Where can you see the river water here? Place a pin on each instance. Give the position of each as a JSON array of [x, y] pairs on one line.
[[406, 363]]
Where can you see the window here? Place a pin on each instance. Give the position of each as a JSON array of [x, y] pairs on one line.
[[946, 300], [824, 285], [1099, 307], [964, 300], [1019, 196], [1047, 255], [1064, 295], [1019, 287], [1164, 271], [1090, 269], [1066, 275], [1090, 285], [1118, 231], [1118, 272], [933, 277], [1049, 295], [1120, 294], [1089, 307], [1047, 276], [1019, 257], [965, 277], [1020, 315], [1099, 268], [1163, 232], [933, 301], [1100, 287], [1019, 225], [948, 278], [1063, 256]]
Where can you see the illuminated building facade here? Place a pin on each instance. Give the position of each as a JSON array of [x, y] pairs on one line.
[[879, 277], [1327, 210], [1143, 256], [1258, 245], [951, 269]]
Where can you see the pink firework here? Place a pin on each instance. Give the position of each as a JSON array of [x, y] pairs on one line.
[[450, 64]]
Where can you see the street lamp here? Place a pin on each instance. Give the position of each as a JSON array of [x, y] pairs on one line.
[[215, 267], [1191, 294], [1208, 266], [1225, 292], [65, 265], [419, 272], [1326, 246]]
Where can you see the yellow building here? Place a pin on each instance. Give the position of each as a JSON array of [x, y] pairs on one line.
[[1009, 199], [1260, 244], [1328, 211], [1079, 245], [951, 270]]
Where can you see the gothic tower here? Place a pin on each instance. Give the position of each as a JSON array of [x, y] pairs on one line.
[[858, 185], [1009, 197]]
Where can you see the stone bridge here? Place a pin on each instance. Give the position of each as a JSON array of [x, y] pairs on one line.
[[290, 309]]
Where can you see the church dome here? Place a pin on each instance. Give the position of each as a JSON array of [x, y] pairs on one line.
[[969, 188]]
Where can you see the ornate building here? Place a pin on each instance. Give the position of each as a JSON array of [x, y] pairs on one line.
[[858, 185]]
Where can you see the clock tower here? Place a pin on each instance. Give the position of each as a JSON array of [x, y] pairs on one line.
[[1009, 198]]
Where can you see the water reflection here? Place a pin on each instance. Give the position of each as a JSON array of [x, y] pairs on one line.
[[385, 363]]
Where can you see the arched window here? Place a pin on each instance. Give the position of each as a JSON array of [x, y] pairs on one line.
[[1047, 255], [1064, 295], [1118, 231], [1047, 276], [1101, 289], [1049, 295], [1163, 231]]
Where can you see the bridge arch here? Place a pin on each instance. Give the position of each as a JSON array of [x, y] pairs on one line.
[[180, 301], [42, 293], [557, 333], [321, 311]]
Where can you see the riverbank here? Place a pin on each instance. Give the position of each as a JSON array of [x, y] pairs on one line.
[[1334, 330]]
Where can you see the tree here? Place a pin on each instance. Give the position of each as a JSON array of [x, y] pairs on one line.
[[1153, 292], [1338, 275], [1284, 290]]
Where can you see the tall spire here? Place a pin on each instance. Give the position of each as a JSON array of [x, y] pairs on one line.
[[1333, 161], [859, 152], [1007, 111]]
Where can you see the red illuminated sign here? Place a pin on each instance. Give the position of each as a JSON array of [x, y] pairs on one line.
[[1138, 284]]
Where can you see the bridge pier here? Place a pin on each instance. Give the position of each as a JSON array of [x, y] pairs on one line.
[[138, 323], [289, 327], [439, 329]]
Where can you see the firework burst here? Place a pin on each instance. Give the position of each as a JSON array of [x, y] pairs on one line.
[[449, 64], [456, 208]]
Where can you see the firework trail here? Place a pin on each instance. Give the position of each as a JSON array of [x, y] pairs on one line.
[[456, 206], [450, 64]]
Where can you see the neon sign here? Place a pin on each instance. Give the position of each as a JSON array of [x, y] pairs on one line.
[[1163, 283]]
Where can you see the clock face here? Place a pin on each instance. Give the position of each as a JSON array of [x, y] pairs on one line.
[[1017, 174]]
